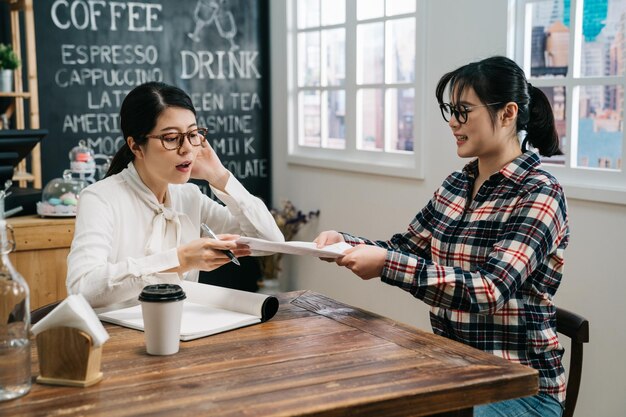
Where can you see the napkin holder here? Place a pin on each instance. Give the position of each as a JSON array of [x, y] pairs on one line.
[[67, 356]]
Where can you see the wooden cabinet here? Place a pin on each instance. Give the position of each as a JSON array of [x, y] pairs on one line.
[[40, 255], [22, 10]]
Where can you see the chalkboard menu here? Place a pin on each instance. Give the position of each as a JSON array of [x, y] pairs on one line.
[[91, 53]]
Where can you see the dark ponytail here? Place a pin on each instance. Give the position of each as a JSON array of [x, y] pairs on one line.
[[120, 160], [500, 80], [541, 128], [139, 113]]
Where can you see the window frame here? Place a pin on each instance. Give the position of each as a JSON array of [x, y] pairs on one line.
[[404, 164], [585, 183]]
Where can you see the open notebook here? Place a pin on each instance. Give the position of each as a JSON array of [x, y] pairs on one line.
[[207, 310]]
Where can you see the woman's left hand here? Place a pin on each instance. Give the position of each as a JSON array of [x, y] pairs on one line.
[[208, 167], [366, 261]]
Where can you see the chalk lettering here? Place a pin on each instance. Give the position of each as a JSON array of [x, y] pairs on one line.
[[247, 168], [228, 123], [219, 65], [245, 101], [91, 122], [207, 101], [111, 98], [109, 77], [231, 146], [105, 144], [87, 14], [109, 54], [247, 146]]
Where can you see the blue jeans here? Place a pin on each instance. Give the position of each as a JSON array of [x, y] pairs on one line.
[[541, 405]]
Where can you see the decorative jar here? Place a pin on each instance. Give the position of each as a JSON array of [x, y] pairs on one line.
[[60, 196]]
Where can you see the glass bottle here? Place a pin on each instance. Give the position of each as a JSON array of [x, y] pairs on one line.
[[15, 377]]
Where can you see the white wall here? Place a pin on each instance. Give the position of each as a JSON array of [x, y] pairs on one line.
[[377, 206]]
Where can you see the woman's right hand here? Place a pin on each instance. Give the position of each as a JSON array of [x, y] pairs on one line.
[[326, 238], [206, 254]]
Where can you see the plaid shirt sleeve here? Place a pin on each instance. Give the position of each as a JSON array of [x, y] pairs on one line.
[[532, 232]]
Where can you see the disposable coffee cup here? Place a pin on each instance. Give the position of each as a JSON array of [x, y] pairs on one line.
[[162, 310]]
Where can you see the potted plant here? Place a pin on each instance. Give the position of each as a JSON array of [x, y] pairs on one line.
[[8, 64], [289, 220]]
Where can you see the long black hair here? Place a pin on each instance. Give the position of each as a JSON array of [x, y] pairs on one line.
[[500, 80], [139, 113]]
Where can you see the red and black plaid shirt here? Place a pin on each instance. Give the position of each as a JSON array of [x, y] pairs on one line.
[[489, 267]]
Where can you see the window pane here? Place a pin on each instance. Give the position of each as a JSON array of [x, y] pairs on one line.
[[400, 50], [336, 119], [399, 107], [368, 9], [370, 125], [310, 122], [557, 97], [309, 59], [549, 49], [604, 37], [601, 126], [335, 56], [400, 6], [308, 13], [333, 12], [370, 53]]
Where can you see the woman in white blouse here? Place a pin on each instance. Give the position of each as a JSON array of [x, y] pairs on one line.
[[141, 224]]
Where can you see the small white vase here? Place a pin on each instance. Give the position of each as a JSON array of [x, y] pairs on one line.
[[6, 80]]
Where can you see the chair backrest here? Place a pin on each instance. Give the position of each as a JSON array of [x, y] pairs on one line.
[[577, 329], [41, 312]]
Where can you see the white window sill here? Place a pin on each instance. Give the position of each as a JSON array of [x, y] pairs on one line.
[[595, 193], [404, 167]]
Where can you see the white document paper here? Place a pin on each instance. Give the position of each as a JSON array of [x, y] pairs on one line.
[[207, 310], [295, 247]]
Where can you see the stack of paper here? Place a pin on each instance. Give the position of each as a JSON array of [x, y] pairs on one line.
[[74, 312], [295, 247], [207, 310]]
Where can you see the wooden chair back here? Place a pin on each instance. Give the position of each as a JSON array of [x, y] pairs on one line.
[[41, 312], [577, 329]]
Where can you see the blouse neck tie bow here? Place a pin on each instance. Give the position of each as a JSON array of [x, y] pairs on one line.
[[163, 213]]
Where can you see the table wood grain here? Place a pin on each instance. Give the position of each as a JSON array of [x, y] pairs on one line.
[[316, 357]]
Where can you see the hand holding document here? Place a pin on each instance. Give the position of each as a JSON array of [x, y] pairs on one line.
[[295, 247]]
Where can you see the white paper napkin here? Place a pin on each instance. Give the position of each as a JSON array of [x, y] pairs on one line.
[[74, 312]]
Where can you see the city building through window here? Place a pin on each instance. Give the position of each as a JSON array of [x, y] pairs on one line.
[[355, 92], [575, 51]]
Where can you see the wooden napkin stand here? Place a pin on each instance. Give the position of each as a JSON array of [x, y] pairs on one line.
[[67, 357]]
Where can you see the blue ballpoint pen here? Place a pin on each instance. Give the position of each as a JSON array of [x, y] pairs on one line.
[[209, 232]]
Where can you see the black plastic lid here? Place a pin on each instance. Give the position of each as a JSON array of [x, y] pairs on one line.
[[162, 293]]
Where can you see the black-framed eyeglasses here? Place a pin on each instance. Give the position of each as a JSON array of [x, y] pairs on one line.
[[175, 141], [459, 111]]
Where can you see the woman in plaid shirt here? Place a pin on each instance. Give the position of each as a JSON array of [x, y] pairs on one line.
[[486, 253]]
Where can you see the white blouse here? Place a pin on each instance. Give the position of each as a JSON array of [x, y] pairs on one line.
[[124, 237]]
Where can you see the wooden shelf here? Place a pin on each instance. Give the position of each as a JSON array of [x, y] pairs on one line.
[[24, 94], [23, 176], [22, 11]]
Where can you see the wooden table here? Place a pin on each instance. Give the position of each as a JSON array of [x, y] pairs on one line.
[[41, 249], [316, 357]]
